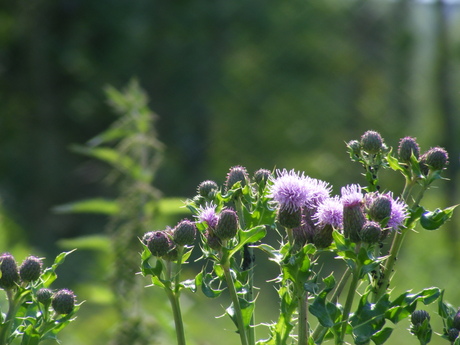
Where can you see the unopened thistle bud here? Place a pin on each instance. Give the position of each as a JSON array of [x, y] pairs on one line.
[[9, 270], [159, 244], [30, 269], [147, 236], [452, 334], [407, 147], [227, 225], [371, 232], [299, 235], [290, 218], [63, 301], [436, 158], [261, 176], [418, 316], [371, 142], [380, 208], [323, 237], [44, 296], [355, 147], [353, 221], [236, 174], [184, 233], [208, 189]]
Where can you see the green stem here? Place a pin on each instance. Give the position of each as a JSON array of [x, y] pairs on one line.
[[290, 237], [303, 318], [175, 304], [236, 304], [349, 303], [13, 304]]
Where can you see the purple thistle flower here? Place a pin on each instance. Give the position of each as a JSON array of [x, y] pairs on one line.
[[317, 191], [351, 195], [329, 212], [398, 213], [289, 190], [208, 215]]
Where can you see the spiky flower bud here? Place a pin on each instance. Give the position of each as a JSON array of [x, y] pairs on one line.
[[31, 269], [147, 236], [9, 270], [159, 244], [236, 174], [208, 188], [353, 222], [371, 232], [456, 321], [300, 236], [452, 334], [290, 218], [355, 147], [436, 158], [44, 296], [380, 208], [418, 316], [63, 301], [261, 176], [227, 225], [407, 147], [371, 142], [184, 233], [323, 237]]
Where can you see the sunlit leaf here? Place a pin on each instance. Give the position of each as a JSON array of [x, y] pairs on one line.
[[96, 205], [434, 220]]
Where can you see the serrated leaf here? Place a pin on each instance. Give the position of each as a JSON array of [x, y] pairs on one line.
[[248, 236], [434, 220], [382, 336]]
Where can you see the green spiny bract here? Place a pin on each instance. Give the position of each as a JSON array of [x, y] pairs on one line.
[[63, 301], [184, 233], [44, 296], [227, 225], [407, 147], [371, 142], [9, 270], [159, 243], [31, 269], [353, 222]]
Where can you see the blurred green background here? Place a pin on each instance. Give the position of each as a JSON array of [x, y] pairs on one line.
[[262, 84]]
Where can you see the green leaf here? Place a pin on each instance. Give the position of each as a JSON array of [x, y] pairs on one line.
[[382, 336], [248, 236], [434, 220], [326, 312], [206, 286], [96, 205]]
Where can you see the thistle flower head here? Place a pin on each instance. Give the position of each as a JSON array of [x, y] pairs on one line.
[[207, 188], [207, 214], [371, 142], [371, 232], [160, 243], [398, 213], [355, 147], [227, 225], [236, 174], [436, 158], [44, 296], [329, 211], [351, 195], [418, 316], [9, 271], [30, 269], [317, 191], [261, 176], [452, 334], [289, 190], [184, 233], [407, 147], [63, 301], [378, 206]]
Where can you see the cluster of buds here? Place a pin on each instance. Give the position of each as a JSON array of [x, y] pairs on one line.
[[62, 301], [12, 276], [434, 160], [165, 243]]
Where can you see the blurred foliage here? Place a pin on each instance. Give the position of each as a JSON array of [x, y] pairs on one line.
[[257, 83]]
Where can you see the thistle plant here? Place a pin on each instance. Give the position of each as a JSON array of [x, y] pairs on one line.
[[355, 306], [35, 312]]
